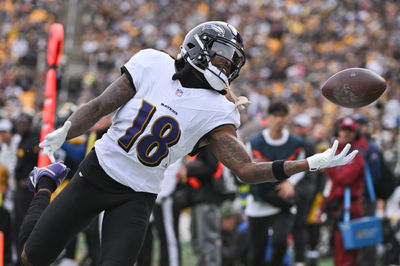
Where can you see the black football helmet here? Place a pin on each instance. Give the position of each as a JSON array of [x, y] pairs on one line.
[[211, 39]]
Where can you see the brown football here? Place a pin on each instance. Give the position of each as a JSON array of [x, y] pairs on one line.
[[354, 87]]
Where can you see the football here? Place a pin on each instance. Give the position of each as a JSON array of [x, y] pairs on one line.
[[354, 87]]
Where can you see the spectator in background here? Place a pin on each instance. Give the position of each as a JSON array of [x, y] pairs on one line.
[[8, 158], [373, 157], [321, 138], [8, 147], [273, 205], [234, 234], [304, 189], [300, 45], [205, 223], [28, 151], [340, 177], [166, 219], [391, 230]]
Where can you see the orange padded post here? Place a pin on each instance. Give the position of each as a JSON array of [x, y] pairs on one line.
[[1, 248]]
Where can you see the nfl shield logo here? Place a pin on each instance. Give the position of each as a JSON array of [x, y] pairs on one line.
[[179, 92]]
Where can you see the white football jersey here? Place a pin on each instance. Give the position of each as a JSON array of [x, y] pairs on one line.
[[160, 124]]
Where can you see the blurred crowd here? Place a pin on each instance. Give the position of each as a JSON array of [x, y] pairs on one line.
[[292, 47]]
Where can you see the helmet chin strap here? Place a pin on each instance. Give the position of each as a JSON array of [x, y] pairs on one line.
[[241, 102], [221, 82]]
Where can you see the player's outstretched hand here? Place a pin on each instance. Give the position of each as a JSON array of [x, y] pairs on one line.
[[54, 140], [328, 159]]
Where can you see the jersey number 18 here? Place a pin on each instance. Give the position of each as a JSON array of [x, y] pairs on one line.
[[151, 148]]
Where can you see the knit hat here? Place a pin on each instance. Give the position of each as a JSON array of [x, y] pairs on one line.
[[228, 210]]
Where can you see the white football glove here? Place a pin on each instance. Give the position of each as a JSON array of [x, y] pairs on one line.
[[54, 140], [328, 159]]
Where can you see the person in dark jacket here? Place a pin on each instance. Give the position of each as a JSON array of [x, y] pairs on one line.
[[305, 189], [368, 255], [273, 206], [234, 234], [205, 213], [28, 150]]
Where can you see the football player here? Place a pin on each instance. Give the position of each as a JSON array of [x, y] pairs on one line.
[[166, 108]]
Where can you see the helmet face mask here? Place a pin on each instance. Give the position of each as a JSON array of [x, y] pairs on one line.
[[229, 53], [215, 49]]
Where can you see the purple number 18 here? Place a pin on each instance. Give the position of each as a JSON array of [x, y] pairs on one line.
[[151, 148]]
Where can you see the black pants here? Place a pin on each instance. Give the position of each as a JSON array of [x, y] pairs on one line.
[[146, 253], [92, 237], [281, 225], [124, 225], [300, 227]]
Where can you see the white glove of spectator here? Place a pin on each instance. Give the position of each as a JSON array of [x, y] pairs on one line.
[[54, 140], [328, 159]]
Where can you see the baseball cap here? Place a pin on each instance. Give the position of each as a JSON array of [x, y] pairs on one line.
[[302, 120], [5, 125], [348, 123], [228, 210]]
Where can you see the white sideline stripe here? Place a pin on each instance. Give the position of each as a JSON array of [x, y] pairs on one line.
[[168, 217]]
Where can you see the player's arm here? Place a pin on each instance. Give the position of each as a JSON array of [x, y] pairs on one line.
[[232, 153], [113, 97]]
